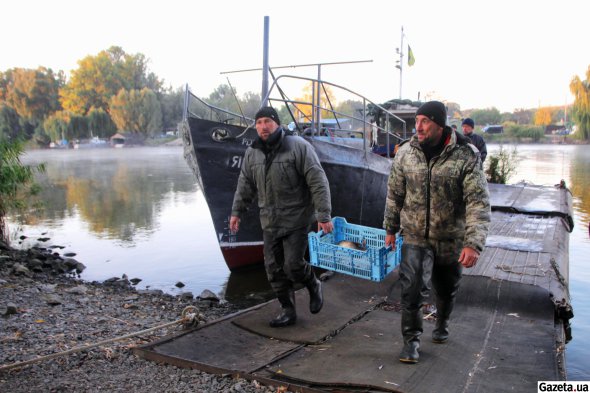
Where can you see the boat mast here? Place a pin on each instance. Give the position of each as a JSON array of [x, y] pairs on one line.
[[265, 63], [400, 62]]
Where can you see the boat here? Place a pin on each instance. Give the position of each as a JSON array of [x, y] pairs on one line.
[[92, 143], [216, 139]]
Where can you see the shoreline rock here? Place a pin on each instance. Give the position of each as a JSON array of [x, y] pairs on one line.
[[46, 308]]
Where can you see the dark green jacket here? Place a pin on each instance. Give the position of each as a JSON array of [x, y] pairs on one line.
[[292, 191], [443, 200]]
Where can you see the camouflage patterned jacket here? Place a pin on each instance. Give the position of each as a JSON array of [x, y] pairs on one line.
[[446, 199], [292, 191]]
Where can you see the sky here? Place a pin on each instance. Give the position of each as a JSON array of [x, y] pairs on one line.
[[479, 54]]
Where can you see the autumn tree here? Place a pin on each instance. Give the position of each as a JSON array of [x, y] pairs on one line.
[[137, 111], [33, 94], [327, 98], [543, 117], [581, 108], [98, 78]]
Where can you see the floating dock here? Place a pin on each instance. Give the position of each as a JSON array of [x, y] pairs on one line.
[[508, 329]]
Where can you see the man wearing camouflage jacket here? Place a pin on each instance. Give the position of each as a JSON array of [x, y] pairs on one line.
[[437, 195]]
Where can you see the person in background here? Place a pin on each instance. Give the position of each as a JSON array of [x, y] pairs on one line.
[[293, 191], [477, 140], [437, 196]]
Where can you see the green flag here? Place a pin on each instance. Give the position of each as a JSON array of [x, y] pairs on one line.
[[411, 59]]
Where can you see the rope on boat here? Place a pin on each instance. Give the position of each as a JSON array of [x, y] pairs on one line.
[[510, 269], [190, 318]]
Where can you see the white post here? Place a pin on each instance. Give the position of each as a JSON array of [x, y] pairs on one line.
[[401, 63]]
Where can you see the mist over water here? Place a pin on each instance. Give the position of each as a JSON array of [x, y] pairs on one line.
[[139, 211]]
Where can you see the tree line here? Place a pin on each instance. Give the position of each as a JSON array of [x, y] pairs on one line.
[[111, 91], [115, 91]]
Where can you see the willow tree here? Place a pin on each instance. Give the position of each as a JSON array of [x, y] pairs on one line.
[[581, 108], [10, 126], [137, 111]]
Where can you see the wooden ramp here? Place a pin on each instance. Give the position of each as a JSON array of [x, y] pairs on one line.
[[505, 335]]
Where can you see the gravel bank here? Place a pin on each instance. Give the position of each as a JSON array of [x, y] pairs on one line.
[[45, 308]]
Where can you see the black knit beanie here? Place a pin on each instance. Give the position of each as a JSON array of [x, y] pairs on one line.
[[435, 111], [468, 121], [268, 111]]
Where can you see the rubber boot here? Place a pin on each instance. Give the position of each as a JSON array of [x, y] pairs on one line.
[[411, 331], [440, 334], [288, 316], [316, 298]]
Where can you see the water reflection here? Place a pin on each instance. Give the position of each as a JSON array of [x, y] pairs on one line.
[[580, 182], [134, 211], [117, 193], [248, 287]]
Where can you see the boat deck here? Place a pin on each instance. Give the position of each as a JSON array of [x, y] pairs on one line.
[[504, 333]]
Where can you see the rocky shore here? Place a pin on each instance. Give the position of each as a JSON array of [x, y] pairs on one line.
[[45, 308]]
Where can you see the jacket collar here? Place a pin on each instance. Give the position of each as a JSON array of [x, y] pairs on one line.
[[271, 143]]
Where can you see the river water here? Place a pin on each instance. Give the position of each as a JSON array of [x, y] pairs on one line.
[[139, 212]]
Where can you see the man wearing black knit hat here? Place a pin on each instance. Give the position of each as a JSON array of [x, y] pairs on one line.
[[437, 195], [477, 140], [293, 191]]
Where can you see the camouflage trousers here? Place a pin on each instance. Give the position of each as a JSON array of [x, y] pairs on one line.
[[284, 260], [431, 262]]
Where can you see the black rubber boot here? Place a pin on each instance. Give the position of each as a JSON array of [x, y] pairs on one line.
[[440, 334], [409, 353], [411, 330], [288, 316], [316, 298]]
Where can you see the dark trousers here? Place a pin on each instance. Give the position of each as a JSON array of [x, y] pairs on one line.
[[422, 265], [284, 260]]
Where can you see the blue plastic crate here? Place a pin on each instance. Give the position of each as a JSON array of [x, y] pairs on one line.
[[374, 263]]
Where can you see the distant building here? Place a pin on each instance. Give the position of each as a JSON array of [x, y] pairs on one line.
[[121, 139], [553, 129]]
